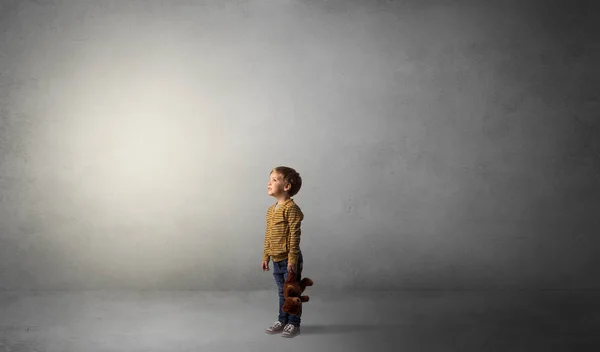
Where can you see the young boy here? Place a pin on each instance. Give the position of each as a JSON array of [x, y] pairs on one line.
[[282, 241]]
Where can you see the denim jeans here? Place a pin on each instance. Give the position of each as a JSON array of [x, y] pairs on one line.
[[280, 274]]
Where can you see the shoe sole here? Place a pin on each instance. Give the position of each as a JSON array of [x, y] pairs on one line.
[[273, 332], [290, 336]]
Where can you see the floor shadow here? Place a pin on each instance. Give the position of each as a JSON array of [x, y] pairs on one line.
[[321, 329]]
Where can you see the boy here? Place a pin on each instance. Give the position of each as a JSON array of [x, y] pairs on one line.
[[282, 241]]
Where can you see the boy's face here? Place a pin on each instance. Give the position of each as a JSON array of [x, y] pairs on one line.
[[275, 186]]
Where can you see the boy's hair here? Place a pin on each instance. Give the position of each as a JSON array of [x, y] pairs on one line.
[[290, 176]]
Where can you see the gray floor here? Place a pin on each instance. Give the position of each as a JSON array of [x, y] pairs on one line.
[[83, 321]]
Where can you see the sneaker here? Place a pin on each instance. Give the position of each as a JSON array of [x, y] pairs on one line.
[[290, 330], [275, 328]]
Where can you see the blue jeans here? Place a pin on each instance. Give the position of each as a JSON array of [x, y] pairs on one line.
[[280, 274]]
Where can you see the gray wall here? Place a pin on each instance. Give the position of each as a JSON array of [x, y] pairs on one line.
[[443, 144]]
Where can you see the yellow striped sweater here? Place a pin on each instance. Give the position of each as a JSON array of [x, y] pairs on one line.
[[282, 237]]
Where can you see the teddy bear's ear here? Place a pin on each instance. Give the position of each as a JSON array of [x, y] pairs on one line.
[[304, 298]]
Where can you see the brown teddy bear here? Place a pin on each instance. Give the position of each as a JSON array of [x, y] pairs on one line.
[[293, 305], [292, 288], [292, 292]]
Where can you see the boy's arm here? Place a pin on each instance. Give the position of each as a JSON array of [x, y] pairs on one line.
[[266, 256], [266, 243], [294, 217]]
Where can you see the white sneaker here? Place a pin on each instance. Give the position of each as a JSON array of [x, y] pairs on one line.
[[277, 327], [290, 330]]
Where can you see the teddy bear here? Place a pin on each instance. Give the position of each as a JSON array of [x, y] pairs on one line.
[[292, 292], [293, 288], [293, 305]]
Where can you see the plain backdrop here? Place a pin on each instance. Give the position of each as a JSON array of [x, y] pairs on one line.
[[442, 144]]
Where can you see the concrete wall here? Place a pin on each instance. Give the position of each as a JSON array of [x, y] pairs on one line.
[[442, 144]]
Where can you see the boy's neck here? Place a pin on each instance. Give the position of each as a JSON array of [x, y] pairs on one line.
[[282, 200]]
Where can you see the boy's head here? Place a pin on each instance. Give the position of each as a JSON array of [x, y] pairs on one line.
[[284, 180]]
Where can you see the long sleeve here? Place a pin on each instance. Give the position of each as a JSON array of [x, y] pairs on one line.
[[294, 217], [266, 256]]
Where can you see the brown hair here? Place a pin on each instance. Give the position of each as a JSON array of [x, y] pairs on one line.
[[290, 176]]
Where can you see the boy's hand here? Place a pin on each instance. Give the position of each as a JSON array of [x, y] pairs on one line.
[[291, 268], [265, 266]]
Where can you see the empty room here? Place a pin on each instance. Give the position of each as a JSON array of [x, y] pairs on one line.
[[299, 175]]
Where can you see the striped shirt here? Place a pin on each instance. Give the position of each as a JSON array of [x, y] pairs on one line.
[[282, 236]]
